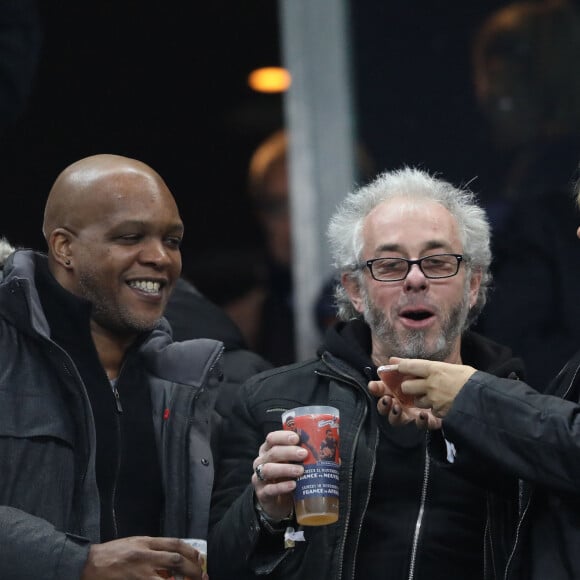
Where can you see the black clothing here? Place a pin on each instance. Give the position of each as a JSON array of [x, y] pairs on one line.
[[50, 506], [504, 429], [129, 475], [277, 333], [401, 516]]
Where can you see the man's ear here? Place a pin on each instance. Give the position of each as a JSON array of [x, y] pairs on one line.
[[59, 245], [352, 286], [474, 285]]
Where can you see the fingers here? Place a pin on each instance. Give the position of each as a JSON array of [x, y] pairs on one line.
[[414, 366], [185, 560], [276, 469], [280, 447], [142, 556], [278, 465], [278, 439], [396, 414], [377, 388], [270, 472]]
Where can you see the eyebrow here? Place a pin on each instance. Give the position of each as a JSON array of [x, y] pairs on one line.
[[429, 245], [176, 227]]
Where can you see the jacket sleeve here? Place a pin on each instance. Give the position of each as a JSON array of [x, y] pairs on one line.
[[238, 548], [31, 548], [533, 436]]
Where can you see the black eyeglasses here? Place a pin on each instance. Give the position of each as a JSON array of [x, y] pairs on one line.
[[395, 269]]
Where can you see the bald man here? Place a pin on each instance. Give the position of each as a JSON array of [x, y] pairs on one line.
[[105, 456]]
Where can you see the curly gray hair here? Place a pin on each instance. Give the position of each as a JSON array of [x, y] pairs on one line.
[[345, 227]]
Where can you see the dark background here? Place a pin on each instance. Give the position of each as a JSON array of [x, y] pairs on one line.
[[165, 82]]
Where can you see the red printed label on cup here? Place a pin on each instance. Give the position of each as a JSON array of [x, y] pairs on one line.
[[319, 435]]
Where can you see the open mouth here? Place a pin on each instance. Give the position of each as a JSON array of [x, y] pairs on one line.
[[417, 315]]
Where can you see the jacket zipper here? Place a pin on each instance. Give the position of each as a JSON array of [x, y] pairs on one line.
[[119, 448], [518, 529], [366, 503], [420, 515], [524, 509], [350, 380], [76, 376]]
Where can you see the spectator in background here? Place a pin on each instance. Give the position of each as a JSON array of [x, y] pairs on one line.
[[525, 60], [268, 187], [269, 193], [254, 286]]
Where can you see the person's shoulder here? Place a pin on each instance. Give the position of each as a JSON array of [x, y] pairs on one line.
[[241, 364], [283, 380], [186, 361]]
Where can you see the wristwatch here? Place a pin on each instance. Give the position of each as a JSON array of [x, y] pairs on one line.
[[270, 524]]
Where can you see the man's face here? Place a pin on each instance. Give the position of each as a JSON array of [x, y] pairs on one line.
[[417, 317], [126, 257]]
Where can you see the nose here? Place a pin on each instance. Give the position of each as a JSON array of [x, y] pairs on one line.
[[415, 279], [154, 251]]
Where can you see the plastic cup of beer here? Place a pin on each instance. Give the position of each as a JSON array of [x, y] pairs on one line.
[[316, 494], [390, 375]]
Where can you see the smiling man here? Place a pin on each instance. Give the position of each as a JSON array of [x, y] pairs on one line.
[[104, 421], [413, 255]]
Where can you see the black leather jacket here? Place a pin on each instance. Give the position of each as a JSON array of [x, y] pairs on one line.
[[238, 548], [535, 437]]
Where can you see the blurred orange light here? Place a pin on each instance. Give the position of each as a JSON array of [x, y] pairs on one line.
[[270, 79]]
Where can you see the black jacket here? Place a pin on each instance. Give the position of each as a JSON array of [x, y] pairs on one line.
[[535, 437], [49, 500], [430, 523]]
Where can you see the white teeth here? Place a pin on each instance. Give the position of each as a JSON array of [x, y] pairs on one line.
[[146, 286]]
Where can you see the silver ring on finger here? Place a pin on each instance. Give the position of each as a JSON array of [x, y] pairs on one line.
[[258, 471]]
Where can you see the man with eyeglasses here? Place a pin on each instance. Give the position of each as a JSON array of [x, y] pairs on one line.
[[413, 255]]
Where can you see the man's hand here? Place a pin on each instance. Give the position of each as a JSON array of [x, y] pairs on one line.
[[276, 469], [142, 558], [435, 385], [388, 405]]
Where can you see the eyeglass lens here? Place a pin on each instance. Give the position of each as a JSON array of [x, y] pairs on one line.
[[436, 266]]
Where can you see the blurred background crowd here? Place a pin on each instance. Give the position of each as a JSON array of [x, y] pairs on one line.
[[480, 92]]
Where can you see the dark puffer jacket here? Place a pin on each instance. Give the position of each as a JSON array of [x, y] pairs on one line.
[[432, 522], [49, 501]]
